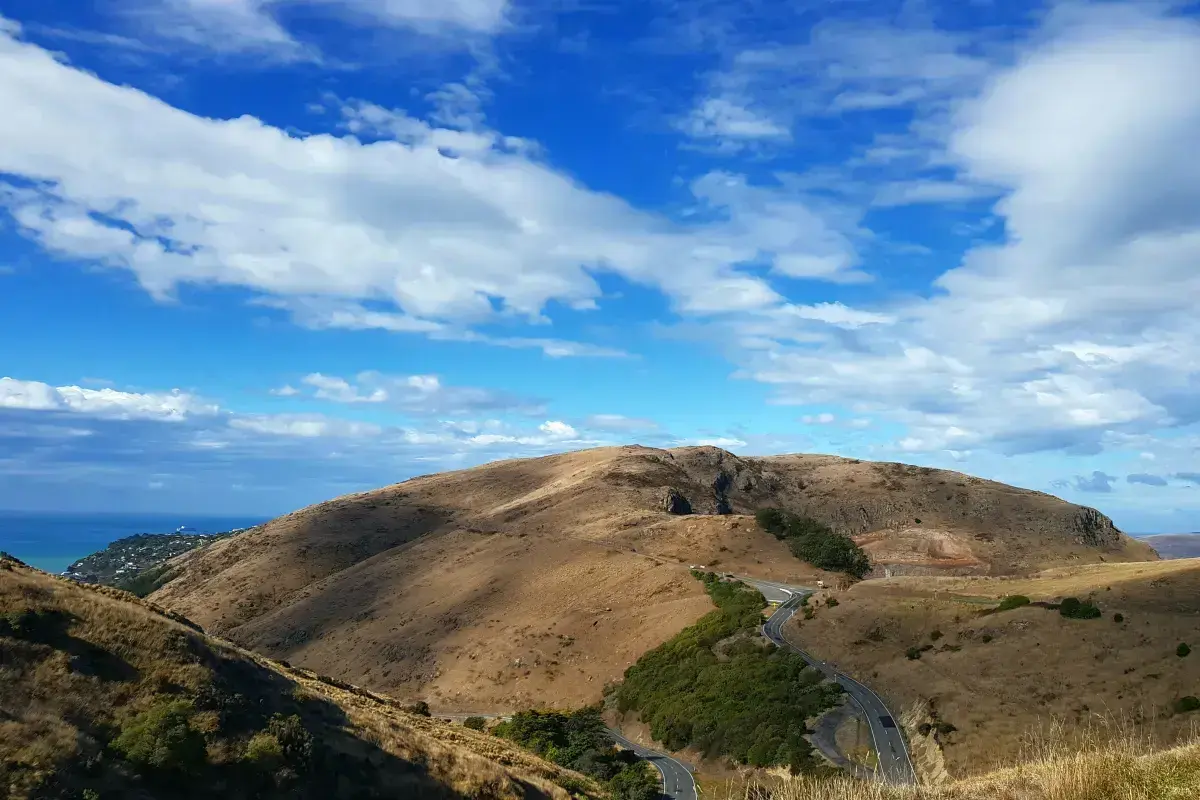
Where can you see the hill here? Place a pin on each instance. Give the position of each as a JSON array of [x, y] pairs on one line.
[[1174, 545], [943, 648], [105, 696], [535, 582]]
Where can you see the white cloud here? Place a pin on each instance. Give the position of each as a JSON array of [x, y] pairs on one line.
[[837, 314], [173, 406], [1080, 324], [307, 426], [417, 394], [287, 390], [730, 122], [231, 26], [558, 430], [824, 418], [724, 442], [122, 179]]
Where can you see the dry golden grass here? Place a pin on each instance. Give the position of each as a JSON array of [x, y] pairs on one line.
[[537, 581], [101, 656], [1063, 765], [995, 676]]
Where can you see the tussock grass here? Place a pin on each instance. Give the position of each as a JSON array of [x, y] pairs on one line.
[[1105, 761]]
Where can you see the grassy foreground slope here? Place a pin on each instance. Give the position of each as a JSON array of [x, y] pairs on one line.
[[1064, 770], [103, 696]]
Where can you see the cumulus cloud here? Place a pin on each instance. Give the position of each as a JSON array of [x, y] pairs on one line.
[[435, 240], [1079, 325], [1146, 479], [172, 406]]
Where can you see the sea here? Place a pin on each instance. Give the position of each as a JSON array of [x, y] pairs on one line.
[[53, 542]]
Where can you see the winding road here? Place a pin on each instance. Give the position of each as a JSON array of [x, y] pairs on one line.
[[895, 764], [678, 783]]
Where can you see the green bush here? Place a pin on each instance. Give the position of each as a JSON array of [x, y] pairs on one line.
[[1074, 608], [163, 739], [772, 520], [815, 542], [945, 728], [1013, 601], [577, 740], [147, 581], [635, 782], [1183, 650], [832, 602], [475, 723], [1185, 704], [935, 635], [264, 751], [750, 707], [987, 637], [1118, 617], [294, 740], [912, 653]]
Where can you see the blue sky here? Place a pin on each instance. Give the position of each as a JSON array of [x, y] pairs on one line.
[[257, 253]]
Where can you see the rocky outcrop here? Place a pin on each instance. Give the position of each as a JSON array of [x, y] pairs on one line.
[[1095, 528], [674, 502]]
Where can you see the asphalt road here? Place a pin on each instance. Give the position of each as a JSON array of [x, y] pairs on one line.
[[895, 765], [678, 783]]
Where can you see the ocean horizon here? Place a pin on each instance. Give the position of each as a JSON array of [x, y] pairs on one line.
[[53, 541]]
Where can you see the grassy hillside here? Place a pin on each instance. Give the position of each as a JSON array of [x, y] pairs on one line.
[[948, 648], [103, 696], [536, 582], [1069, 767]]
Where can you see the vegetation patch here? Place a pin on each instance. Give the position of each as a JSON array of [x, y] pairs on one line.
[[749, 707], [1074, 608], [1013, 601], [815, 542], [577, 740]]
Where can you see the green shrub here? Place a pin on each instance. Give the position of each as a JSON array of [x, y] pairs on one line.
[[635, 782], [751, 706], [832, 602], [912, 653], [420, 708], [925, 729], [1013, 601], [264, 751], [1185, 704], [1118, 617], [163, 739], [1074, 608], [1183, 650], [147, 581], [935, 635], [772, 520], [294, 740], [945, 728], [475, 723], [815, 542], [987, 637]]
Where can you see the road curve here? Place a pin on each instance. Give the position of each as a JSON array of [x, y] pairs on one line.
[[678, 783], [895, 764]]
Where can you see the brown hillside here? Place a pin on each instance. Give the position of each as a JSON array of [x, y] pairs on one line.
[[995, 676], [80, 666], [536, 581]]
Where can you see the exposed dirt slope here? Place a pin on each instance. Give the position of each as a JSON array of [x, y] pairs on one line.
[[536, 581], [995, 676], [78, 664]]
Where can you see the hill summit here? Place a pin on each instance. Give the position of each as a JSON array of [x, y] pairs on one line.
[[536, 581]]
